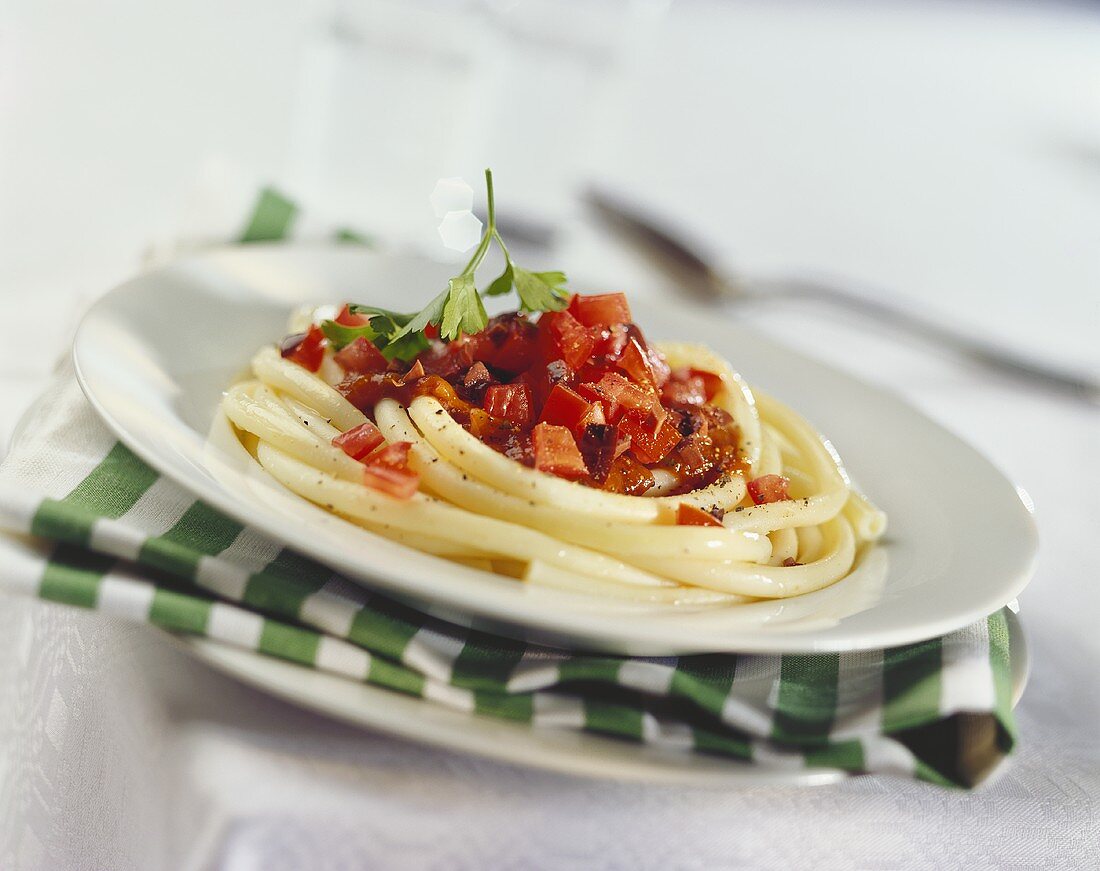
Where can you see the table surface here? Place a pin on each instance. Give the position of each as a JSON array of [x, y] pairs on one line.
[[949, 154]]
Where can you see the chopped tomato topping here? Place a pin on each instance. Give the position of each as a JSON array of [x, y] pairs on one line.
[[556, 452], [566, 408], [543, 378], [690, 515], [573, 341], [618, 394], [449, 360], [399, 483], [392, 456], [516, 354], [635, 363], [511, 402], [769, 488], [711, 381], [658, 365], [612, 341], [387, 470], [600, 310], [647, 446], [351, 320], [691, 387], [359, 441], [361, 357], [606, 407], [684, 391], [306, 349]]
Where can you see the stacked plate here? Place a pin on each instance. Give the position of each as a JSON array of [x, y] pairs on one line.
[[155, 355]]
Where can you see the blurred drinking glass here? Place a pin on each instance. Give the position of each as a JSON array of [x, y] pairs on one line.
[[398, 93]]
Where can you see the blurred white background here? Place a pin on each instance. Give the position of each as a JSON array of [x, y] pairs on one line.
[[947, 154]]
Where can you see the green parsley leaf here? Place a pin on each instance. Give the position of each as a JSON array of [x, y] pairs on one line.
[[463, 310], [406, 348], [502, 284], [387, 324], [432, 313], [340, 335], [540, 291], [383, 321]]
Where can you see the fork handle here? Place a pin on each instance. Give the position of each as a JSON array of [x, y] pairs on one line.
[[1018, 366]]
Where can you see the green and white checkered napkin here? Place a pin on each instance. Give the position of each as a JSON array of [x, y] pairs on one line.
[[84, 522]]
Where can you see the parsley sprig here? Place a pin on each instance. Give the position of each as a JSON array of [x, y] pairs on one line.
[[458, 308]]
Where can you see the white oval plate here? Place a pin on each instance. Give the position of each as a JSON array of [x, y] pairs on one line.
[[562, 750], [154, 355]]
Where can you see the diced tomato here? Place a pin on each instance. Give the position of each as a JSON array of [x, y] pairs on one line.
[[448, 360], [542, 378], [712, 381], [359, 441], [399, 483], [612, 341], [566, 408], [692, 461], [511, 402], [598, 443], [691, 387], [658, 365], [431, 331], [306, 349], [594, 415], [392, 456], [387, 470], [689, 515], [510, 342], [600, 310], [635, 363], [649, 447], [685, 390], [361, 357], [517, 353], [618, 395], [769, 488], [622, 445], [364, 391], [572, 341], [556, 452], [350, 320]]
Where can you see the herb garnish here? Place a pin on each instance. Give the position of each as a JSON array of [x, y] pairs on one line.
[[458, 309]]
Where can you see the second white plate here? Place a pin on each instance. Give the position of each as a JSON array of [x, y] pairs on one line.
[[154, 355]]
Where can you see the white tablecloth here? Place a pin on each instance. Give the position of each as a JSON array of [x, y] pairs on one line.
[[949, 154]]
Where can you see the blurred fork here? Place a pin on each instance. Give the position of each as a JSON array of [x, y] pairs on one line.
[[696, 272]]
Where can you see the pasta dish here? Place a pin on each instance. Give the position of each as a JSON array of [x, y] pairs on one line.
[[555, 445], [647, 472]]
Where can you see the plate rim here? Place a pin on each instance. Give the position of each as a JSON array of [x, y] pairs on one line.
[[590, 626]]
